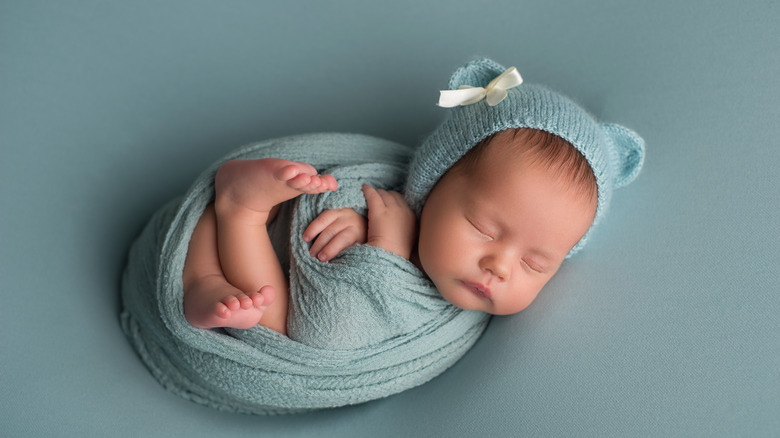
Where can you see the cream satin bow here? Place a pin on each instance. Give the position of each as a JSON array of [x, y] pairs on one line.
[[494, 93]]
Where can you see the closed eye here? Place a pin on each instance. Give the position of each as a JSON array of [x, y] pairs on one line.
[[479, 230], [530, 264]]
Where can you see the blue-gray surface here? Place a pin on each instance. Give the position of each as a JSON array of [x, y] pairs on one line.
[[667, 324]]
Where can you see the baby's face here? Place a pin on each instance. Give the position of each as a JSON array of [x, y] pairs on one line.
[[491, 239]]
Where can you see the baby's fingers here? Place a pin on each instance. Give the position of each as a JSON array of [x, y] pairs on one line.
[[380, 200], [319, 224], [330, 245], [393, 198], [373, 198]]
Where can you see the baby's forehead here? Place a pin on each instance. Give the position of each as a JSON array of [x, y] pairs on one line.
[[537, 149], [503, 149]]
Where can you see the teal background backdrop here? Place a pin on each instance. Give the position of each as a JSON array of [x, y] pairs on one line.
[[666, 325]]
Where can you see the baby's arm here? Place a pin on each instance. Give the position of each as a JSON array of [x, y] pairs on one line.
[[392, 224]]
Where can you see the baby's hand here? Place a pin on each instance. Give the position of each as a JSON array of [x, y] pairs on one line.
[[392, 224], [335, 230]]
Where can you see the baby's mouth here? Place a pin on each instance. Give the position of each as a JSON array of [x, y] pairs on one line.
[[477, 289]]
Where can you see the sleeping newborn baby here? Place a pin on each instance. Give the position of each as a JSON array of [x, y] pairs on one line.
[[493, 230], [505, 190], [323, 270]]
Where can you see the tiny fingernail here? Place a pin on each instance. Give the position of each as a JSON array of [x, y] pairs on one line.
[[322, 257]]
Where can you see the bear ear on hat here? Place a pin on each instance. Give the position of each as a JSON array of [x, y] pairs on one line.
[[630, 153], [477, 73]]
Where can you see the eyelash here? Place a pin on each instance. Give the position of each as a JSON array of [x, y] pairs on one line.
[[486, 235], [532, 267]]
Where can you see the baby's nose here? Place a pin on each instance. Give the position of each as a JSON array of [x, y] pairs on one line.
[[498, 265]]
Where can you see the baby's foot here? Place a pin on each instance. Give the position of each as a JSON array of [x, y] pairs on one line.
[[260, 185], [211, 303]]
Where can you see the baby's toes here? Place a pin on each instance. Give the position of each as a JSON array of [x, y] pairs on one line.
[[307, 168], [244, 301], [295, 169], [314, 184], [329, 182], [288, 172], [232, 303], [257, 299], [221, 310], [321, 183], [264, 297], [300, 182]]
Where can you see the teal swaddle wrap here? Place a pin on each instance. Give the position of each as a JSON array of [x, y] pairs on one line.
[[362, 326]]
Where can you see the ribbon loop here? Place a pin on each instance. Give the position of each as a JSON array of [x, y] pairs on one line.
[[494, 93]]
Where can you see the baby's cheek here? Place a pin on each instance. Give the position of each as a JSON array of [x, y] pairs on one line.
[[436, 265], [436, 254]]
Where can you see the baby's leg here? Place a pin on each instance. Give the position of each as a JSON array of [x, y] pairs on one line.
[[246, 193], [209, 300]]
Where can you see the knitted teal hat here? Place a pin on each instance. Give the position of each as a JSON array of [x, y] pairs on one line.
[[614, 153]]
